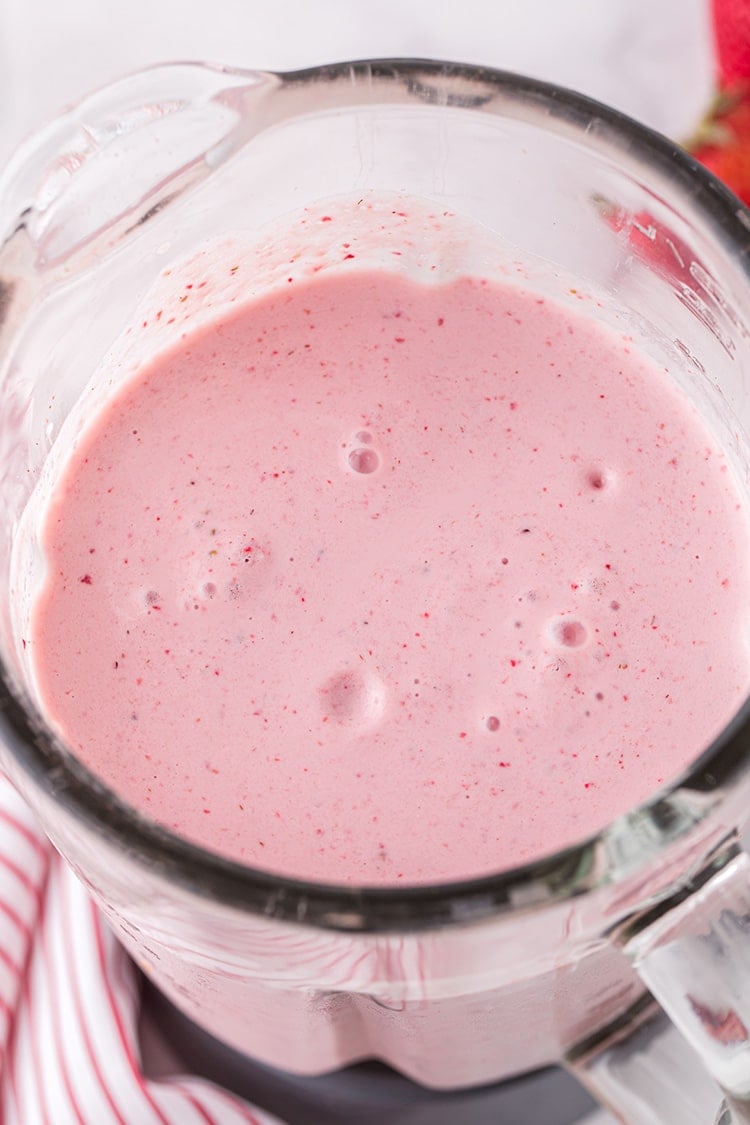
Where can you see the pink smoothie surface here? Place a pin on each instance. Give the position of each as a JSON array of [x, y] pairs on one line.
[[378, 582]]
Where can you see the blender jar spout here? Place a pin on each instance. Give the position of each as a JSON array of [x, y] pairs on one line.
[[78, 188]]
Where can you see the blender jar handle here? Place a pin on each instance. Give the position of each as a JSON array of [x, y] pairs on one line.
[[693, 954], [695, 959]]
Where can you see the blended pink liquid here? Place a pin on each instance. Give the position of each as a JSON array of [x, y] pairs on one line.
[[375, 582]]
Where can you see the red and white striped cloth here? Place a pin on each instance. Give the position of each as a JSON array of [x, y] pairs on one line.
[[69, 1005]]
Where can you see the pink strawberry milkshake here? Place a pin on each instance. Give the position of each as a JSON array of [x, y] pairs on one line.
[[376, 582]]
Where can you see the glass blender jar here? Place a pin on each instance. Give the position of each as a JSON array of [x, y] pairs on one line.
[[452, 985]]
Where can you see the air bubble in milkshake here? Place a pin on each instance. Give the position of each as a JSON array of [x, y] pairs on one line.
[[569, 632], [353, 698], [363, 460], [598, 478]]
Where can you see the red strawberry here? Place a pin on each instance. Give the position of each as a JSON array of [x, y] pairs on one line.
[[731, 21], [722, 141]]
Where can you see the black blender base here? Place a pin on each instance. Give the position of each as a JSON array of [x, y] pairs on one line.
[[366, 1094]]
